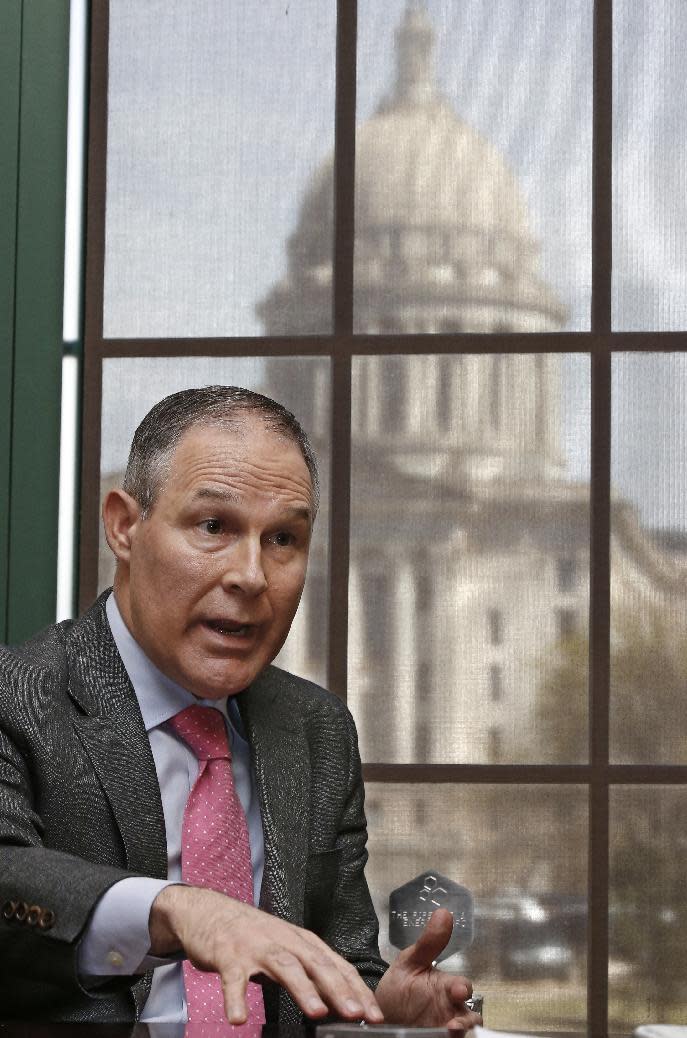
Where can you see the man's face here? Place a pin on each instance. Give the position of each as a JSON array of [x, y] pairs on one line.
[[215, 573]]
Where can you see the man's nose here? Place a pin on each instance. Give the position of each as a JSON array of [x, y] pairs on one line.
[[243, 570]]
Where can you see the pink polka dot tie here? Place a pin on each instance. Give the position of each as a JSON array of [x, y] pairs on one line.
[[215, 853]]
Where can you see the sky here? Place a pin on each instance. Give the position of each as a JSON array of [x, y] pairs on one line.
[[220, 114]]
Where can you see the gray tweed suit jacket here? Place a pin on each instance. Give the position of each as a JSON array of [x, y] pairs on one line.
[[80, 809]]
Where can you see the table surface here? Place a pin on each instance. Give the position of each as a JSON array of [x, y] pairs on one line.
[[27, 1029]]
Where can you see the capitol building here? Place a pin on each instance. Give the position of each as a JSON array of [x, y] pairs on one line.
[[469, 542]]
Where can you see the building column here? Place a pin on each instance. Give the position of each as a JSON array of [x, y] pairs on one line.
[[372, 372], [421, 376], [359, 692], [402, 697]]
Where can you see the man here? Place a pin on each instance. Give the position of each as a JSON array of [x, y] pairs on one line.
[[157, 775]]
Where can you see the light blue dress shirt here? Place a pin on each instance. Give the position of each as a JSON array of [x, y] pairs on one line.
[[116, 941]]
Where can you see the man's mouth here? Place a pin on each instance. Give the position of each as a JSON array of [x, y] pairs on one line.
[[230, 628]]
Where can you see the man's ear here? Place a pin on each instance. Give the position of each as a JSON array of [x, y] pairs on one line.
[[120, 515]]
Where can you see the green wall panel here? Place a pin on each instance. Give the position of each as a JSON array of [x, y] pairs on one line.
[[35, 412]]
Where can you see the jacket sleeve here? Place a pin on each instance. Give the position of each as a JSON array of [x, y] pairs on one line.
[[46, 895], [352, 928]]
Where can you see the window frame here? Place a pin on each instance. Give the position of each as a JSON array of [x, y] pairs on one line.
[[341, 346]]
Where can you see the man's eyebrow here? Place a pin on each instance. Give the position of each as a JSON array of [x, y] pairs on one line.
[[215, 494], [297, 512], [231, 497]]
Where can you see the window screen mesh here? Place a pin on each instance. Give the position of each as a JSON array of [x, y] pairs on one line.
[[648, 907], [649, 559], [473, 166], [467, 633], [521, 852], [649, 166], [470, 497], [218, 118]]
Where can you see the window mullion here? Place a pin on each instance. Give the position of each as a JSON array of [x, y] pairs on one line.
[[600, 496], [344, 202]]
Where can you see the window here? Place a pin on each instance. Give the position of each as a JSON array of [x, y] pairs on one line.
[[442, 320]]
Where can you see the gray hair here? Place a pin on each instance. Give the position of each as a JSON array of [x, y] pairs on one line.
[[158, 435]]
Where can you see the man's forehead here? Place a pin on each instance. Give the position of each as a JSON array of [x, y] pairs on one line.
[[237, 438], [226, 448], [237, 429]]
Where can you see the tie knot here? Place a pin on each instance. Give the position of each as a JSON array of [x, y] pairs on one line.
[[204, 730]]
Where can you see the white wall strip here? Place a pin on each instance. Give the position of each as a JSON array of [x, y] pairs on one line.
[[76, 135], [66, 540], [71, 317]]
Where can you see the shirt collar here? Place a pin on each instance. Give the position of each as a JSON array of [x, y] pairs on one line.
[[159, 698]]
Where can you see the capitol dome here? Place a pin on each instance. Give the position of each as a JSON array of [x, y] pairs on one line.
[[437, 172], [438, 214], [442, 245]]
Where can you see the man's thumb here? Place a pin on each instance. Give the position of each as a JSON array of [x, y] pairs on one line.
[[432, 940]]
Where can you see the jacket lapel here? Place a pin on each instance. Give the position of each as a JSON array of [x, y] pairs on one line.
[[112, 732], [281, 763]]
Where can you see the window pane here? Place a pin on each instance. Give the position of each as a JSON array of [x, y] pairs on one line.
[[473, 166], [463, 646], [649, 166], [522, 853], [649, 559], [218, 117], [130, 388], [648, 907]]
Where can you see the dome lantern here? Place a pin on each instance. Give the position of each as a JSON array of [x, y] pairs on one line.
[[415, 82]]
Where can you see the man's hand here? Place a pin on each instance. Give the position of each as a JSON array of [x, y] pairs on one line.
[[415, 994], [238, 941]]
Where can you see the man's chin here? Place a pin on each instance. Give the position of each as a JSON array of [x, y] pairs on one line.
[[221, 680]]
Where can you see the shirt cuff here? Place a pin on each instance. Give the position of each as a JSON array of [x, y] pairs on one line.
[[116, 941]]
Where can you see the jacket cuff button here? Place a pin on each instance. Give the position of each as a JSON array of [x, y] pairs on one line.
[[46, 920], [8, 909], [34, 914]]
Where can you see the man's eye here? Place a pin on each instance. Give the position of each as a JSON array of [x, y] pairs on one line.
[[283, 539], [211, 526]]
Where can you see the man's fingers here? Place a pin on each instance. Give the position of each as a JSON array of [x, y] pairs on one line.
[[288, 970], [460, 989], [248, 942], [325, 978], [341, 981], [310, 974], [280, 966], [234, 983], [464, 1022], [431, 941], [340, 990]]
